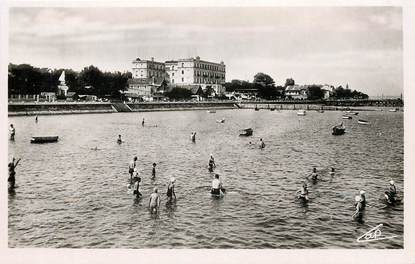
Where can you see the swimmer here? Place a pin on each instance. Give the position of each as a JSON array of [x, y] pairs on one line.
[[303, 192], [153, 172], [96, 148], [261, 144], [217, 187], [170, 189], [131, 167], [142, 123], [12, 132], [331, 172], [12, 173], [137, 181], [391, 194], [363, 198], [313, 175], [154, 202], [36, 119], [193, 137], [211, 164], [359, 206], [119, 140]]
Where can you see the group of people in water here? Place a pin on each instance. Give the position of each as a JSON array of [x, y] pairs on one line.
[[134, 186], [217, 185], [360, 200]]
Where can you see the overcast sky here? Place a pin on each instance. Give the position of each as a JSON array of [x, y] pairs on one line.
[[359, 46]]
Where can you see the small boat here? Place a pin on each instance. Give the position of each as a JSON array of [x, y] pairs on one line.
[[351, 112], [394, 110], [247, 132], [221, 120], [320, 111], [301, 113], [346, 117], [363, 122], [41, 140], [338, 130], [211, 111]]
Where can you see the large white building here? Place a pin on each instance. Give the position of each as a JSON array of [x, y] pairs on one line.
[[148, 75], [194, 71]]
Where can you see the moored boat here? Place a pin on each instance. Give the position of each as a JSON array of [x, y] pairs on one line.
[[211, 111], [246, 132], [394, 110], [346, 117], [221, 120], [46, 139], [363, 122], [301, 113]]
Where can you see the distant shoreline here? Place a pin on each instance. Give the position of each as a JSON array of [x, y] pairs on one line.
[[64, 108]]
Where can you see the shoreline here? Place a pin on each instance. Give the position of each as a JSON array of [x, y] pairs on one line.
[[67, 108]]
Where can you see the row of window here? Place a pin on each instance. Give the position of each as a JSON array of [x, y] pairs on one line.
[[209, 67]]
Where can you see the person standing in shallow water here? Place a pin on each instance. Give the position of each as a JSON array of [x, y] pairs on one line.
[[170, 189], [131, 167], [193, 137], [119, 140], [142, 123], [36, 119], [12, 173], [12, 132], [154, 202], [153, 172], [261, 144]]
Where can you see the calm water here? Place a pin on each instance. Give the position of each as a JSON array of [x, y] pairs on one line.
[[72, 196]]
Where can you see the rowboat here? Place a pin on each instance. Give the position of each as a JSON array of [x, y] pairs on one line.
[[246, 132], [393, 110], [41, 140], [221, 120], [363, 122], [301, 113], [211, 111], [346, 117]]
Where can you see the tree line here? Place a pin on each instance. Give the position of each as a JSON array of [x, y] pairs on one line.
[[264, 86], [26, 79]]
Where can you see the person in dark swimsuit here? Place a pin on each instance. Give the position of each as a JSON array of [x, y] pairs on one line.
[[153, 172], [137, 181], [391, 194], [119, 140], [12, 173], [12, 132], [170, 189]]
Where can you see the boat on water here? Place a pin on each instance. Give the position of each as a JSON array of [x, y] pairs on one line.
[[301, 113], [46, 139], [246, 132], [211, 111], [348, 112], [338, 130], [346, 117], [363, 122], [394, 110], [221, 120], [320, 111]]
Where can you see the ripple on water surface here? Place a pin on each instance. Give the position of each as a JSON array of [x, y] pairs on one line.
[[72, 196]]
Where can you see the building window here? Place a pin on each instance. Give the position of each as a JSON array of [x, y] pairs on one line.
[[182, 64], [172, 80], [172, 74], [182, 79], [182, 72]]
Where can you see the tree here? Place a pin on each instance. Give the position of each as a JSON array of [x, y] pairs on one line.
[[179, 93], [315, 92], [263, 79], [289, 82]]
